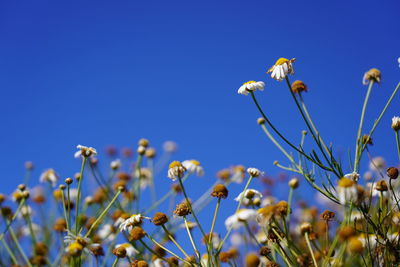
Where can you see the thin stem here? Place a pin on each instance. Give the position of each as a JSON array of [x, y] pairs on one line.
[[174, 241], [161, 246], [9, 251], [398, 143], [69, 206], [115, 262], [290, 198], [361, 125], [213, 223], [78, 198], [19, 248], [13, 218], [191, 239], [65, 209], [29, 221], [251, 234], [103, 213], [310, 248]]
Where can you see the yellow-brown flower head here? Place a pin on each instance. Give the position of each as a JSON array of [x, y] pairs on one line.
[[224, 256], [298, 87], [120, 252], [281, 208], [182, 209], [355, 246], [294, 183], [150, 153], [366, 140], [160, 218], [224, 174], [381, 186], [140, 263], [396, 123], [252, 260], [265, 251], [327, 215], [143, 142], [261, 121], [136, 233], [345, 232], [305, 227], [220, 191], [176, 170], [392, 173], [60, 225], [373, 75], [74, 249]]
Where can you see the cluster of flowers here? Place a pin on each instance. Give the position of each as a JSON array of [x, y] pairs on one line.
[[123, 222]]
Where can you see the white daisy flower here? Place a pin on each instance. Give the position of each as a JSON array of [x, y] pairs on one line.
[[115, 164], [254, 172], [193, 166], [176, 170], [282, 68], [73, 193], [236, 239], [396, 123], [49, 176], [248, 196], [130, 250], [251, 86], [243, 215], [85, 151], [72, 241], [25, 211], [135, 219], [347, 190], [145, 177]]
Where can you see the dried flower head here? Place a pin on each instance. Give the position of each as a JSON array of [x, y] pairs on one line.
[[139, 263], [253, 172], [392, 173], [281, 68], [298, 87], [136, 233], [373, 75], [327, 215], [160, 218], [251, 86], [220, 191], [85, 151], [182, 209], [252, 260], [381, 186], [265, 251]]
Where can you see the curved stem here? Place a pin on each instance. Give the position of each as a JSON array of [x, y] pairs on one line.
[[174, 241]]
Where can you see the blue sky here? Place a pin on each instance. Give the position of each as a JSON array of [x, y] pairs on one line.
[[100, 73]]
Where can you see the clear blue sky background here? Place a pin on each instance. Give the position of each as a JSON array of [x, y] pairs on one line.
[[99, 73]]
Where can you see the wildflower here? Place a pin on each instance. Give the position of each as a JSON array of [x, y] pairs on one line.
[[243, 215], [224, 174], [265, 251], [160, 218], [85, 151], [150, 153], [392, 173], [353, 176], [261, 121], [130, 251], [145, 177], [220, 191], [141, 150], [327, 215], [115, 164], [136, 233], [345, 232], [265, 214], [139, 263], [170, 146], [381, 186], [294, 183], [396, 123], [253, 172], [25, 231], [251, 86], [372, 75], [49, 176], [347, 190], [133, 220], [252, 260], [176, 170], [298, 87], [75, 245], [190, 225], [193, 166], [282, 68], [224, 256], [355, 246], [182, 209], [366, 140], [29, 165], [247, 197], [377, 164]]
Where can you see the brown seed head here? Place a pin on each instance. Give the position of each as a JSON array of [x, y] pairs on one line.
[[298, 87], [2, 198], [366, 140], [327, 215], [41, 249], [261, 121], [372, 75], [224, 174], [220, 191], [224, 256], [392, 172], [252, 260], [345, 232], [60, 225], [97, 250], [150, 153], [68, 181], [136, 233], [160, 218], [143, 142], [265, 251], [120, 252], [173, 261], [140, 263], [381, 186], [294, 183], [305, 227], [182, 209]]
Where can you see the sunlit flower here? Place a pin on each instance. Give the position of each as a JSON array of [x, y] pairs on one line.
[[347, 190], [254, 172], [176, 170], [85, 151], [396, 123], [133, 220], [282, 68], [130, 250], [74, 245], [193, 166], [372, 75], [247, 197], [243, 215], [49, 176], [251, 86]]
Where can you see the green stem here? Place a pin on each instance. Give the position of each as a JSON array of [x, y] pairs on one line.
[[310, 248], [13, 218], [398, 144], [213, 224], [9, 251], [115, 262], [78, 198], [66, 217], [174, 241], [290, 198], [191, 239], [161, 246], [19, 248], [358, 141]]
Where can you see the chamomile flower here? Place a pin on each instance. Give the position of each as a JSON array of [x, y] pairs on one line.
[[75, 245], [133, 220], [282, 68], [396, 123], [347, 190], [243, 215], [49, 176], [85, 151], [130, 250], [247, 197], [193, 166], [353, 176], [251, 86], [176, 170]]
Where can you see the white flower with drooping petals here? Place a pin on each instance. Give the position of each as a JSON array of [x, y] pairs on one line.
[[251, 86], [282, 68], [134, 220], [243, 215], [85, 151], [176, 170], [248, 196], [193, 166], [130, 250], [158, 263], [254, 172], [347, 190], [49, 176]]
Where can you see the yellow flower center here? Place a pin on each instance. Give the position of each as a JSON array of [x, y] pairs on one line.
[[249, 82], [345, 182], [195, 162], [267, 210], [75, 246], [281, 61], [175, 164], [125, 245]]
